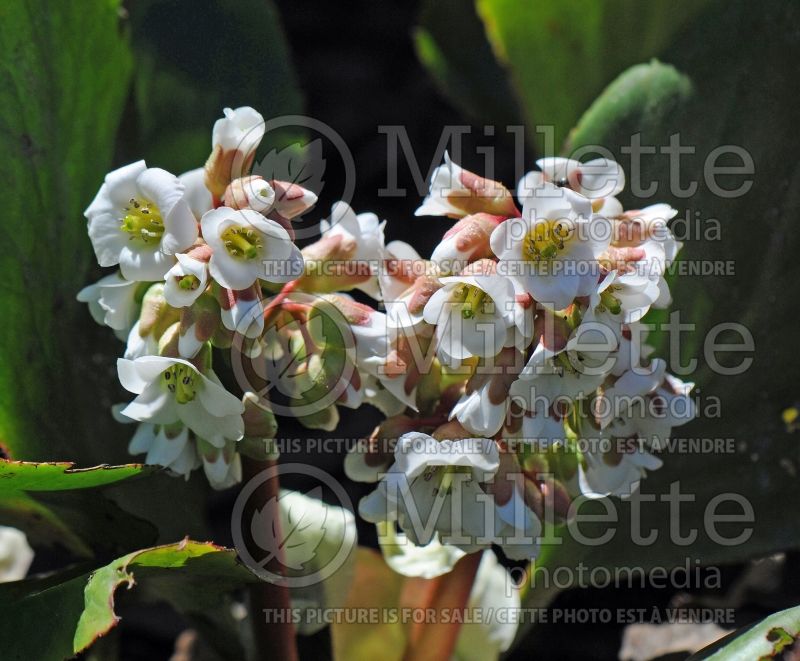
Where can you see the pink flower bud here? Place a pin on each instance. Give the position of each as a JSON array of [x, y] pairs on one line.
[[465, 242], [292, 200]]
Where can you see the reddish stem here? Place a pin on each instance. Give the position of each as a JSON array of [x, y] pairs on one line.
[[276, 639], [274, 305], [436, 641]]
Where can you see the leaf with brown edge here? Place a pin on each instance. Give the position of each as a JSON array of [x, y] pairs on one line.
[[192, 576], [58, 504]]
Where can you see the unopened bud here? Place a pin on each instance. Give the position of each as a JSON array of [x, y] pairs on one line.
[[259, 421], [251, 192], [451, 430], [466, 241], [292, 200], [156, 314]]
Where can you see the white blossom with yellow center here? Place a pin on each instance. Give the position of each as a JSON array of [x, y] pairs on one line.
[[140, 219], [552, 249], [171, 390], [472, 315], [247, 247]]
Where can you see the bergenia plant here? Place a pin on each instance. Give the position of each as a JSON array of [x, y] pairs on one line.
[[511, 368]]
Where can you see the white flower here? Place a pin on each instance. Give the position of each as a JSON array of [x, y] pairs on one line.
[[445, 183], [400, 269], [408, 559], [240, 130], [365, 230], [616, 474], [16, 555], [170, 390], [382, 398], [595, 179], [170, 446], [632, 351], [621, 298], [139, 219], [538, 430], [252, 192], [668, 406], [139, 345], [472, 314], [242, 311], [112, 301], [552, 381], [447, 490], [197, 195], [486, 637], [222, 466], [434, 487], [627, 392], [483, 407], [456, 192], [553, 248], [246, 246], [185, 281]]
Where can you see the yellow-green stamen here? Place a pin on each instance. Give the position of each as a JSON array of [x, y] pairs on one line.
[[610, 302], [180, 380], [143, 222], [189, 282], [472, 299], [546, 239], [242, 242]]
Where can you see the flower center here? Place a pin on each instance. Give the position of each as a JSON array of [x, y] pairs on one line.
[[471, 300], [143, 222], [610, 302], [180, 380], [547, 238], [189, 282], [446, 476], [241, 242]]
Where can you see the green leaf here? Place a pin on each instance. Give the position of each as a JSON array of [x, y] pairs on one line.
[[58, 504], [764, 640], [194, 60], [560, 55], [64, 71], [450, 41], [646, 97], [742, 75], [78, 609]]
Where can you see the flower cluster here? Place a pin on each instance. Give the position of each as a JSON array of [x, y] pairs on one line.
[[512, 366], [530, 316], [192, 253]]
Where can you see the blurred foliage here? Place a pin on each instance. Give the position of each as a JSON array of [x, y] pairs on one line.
[[770, 638], [78, 606], [557, 55], [451, 43], [58, 119], [194, 58], [59, 505]]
